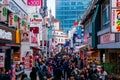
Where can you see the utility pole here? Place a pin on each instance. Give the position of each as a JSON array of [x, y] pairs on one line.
[[43, 12]]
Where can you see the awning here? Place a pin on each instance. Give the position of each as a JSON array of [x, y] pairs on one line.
[[10, 45], [79, 47], [37, 48], [90, 52]]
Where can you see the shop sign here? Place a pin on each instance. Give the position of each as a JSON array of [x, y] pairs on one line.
[[2, 60], [3, 14], [86, 36], [115, 20], [13, 20], [15, 9], [5, 35], [107, 38], [35, 18], [18, 36], [115, 3], [34, 2], [115, 16]]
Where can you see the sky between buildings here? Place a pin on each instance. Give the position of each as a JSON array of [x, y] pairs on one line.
[[51, 5]]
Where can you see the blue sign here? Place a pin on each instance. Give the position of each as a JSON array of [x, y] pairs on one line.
[[79, 31]]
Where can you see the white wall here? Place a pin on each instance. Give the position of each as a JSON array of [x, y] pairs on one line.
[[56, 25]]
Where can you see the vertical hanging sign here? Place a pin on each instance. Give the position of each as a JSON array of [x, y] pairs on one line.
[[3, 14], [115, 16], [13, 20]]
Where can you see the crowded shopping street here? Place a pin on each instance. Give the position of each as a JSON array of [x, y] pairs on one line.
[[59, 39]]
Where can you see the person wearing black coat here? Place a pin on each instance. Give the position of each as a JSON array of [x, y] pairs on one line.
[[33, 74]]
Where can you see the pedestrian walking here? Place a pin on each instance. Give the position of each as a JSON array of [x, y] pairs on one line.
[[33, 74], [24, 77], [4, 76]]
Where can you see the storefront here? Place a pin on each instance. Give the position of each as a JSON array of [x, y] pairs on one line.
[[93, 56], [8, 46]]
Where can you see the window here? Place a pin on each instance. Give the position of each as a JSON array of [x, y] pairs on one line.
[[73, 3], [106, 14]]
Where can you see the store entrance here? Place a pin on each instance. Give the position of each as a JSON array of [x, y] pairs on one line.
[[8, 59]]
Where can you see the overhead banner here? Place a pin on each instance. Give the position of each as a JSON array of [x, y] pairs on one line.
[[34, 2], [115, 16]]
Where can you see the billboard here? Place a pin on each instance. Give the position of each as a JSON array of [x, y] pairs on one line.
[[34, 2]]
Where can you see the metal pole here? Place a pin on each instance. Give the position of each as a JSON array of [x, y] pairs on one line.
[[46, 39], [43, 34]]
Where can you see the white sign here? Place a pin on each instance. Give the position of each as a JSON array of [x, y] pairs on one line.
[[3, 14], [35, 18], [5, 35], [13, 6], [2, 59]]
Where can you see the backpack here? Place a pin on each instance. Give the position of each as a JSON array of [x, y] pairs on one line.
[[42, 70]]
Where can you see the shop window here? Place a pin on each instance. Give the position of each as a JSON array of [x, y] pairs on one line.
[[112, 57], [106, 14]]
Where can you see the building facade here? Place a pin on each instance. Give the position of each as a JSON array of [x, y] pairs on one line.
[[97, 23], [68, 11]]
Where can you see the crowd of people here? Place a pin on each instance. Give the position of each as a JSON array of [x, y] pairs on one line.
[[5, 74], [61, 67], [67, 67]]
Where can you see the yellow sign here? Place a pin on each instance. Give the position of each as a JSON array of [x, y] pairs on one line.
[[17, 36]]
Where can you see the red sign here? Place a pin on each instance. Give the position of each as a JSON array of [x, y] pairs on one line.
[[34, 2], [107, 38], [118, 3], [34, 29]]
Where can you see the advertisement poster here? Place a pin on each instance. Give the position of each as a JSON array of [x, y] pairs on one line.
[[27, 61], [25, 37], [2, 59], [33, 38], [115, 20]]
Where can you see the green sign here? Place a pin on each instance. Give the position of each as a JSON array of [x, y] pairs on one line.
[[23, 23], [15, 18], [29, 26], [4, 11], [35, 16]]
